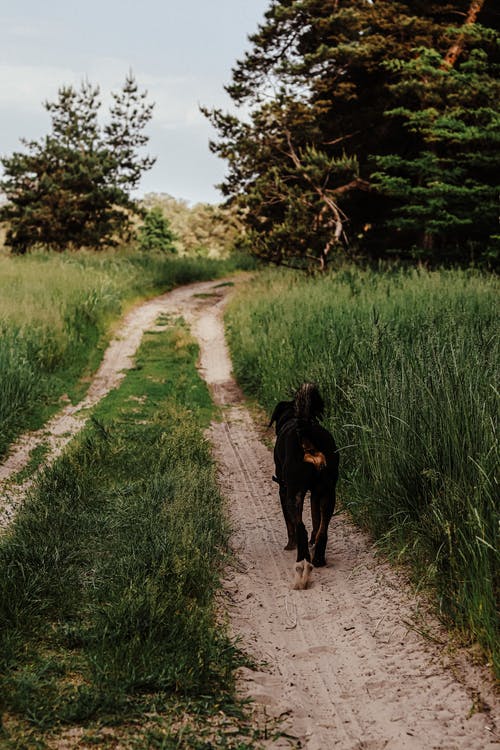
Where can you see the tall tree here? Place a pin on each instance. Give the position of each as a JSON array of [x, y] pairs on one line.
[[124, 135], [72, 188], [447, 189], [314, 90]]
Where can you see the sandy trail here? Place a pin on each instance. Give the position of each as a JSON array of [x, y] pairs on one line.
[[345, 666]]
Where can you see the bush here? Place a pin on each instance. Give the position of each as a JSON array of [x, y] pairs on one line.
[[155, 233]]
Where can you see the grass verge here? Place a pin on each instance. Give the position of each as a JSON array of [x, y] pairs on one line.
[[408, 362], [56, 312], [108, 578]]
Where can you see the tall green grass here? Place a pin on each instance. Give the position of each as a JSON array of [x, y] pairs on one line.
[[55, 316], [109, 572], [408, 363]]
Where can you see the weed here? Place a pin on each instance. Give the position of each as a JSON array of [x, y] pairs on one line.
[[36, 458]]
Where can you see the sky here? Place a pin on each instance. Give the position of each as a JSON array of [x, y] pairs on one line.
[[181, 51]]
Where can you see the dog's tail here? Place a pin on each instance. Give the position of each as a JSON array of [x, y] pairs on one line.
[[308, 404]]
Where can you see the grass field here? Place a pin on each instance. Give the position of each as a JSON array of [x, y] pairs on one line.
[[56, 312], [408, 363], [108, 576]]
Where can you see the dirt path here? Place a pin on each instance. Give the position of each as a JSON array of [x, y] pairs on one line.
[[346, 665], [118, 358]]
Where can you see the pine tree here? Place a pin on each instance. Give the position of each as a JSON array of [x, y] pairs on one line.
[[447, 189], [315, 88], [124, 135], [72, 188], [155, 233]]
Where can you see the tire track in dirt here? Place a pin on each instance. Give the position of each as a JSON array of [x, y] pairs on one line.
[[345, 665], [118, 358]]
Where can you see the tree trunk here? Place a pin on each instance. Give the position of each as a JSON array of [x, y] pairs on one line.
[[456, 49]]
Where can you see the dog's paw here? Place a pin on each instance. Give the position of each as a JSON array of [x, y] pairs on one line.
[[290, 545], [303, 571], [299, 572]]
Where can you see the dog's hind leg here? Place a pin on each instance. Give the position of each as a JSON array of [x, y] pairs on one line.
[[316, 517], [327, 505], [295, 505], [290, 527], [302, 574]]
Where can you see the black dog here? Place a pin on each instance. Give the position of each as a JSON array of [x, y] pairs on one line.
[[306, 459]]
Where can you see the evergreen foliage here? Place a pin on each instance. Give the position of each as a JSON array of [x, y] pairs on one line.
[[450, 187], [350, 107], [72, 188], [155, 233]]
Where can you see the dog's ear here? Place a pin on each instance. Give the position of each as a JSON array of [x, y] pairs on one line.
[[278, 411]]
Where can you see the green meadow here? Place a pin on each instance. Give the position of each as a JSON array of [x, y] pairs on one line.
[[56, 315], [408, 363]]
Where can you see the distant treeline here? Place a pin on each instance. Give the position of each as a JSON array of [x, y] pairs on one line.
[[201, 229]]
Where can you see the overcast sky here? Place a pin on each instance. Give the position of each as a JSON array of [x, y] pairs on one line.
[[181, 51]]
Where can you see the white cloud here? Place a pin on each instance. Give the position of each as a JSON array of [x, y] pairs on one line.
[[18, 31], [177, 98], [26, 86], [15, 30]]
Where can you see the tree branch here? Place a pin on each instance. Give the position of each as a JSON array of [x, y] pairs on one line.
[[323, 194], [356, 184], [341, 138]]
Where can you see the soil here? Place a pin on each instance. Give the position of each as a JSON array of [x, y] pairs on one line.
[[356, 661]]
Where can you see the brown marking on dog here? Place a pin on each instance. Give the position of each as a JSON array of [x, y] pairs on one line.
[[303, 571], [312, 455], [316, 458]]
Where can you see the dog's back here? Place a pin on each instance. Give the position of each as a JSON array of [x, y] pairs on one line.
[[305, 452]]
